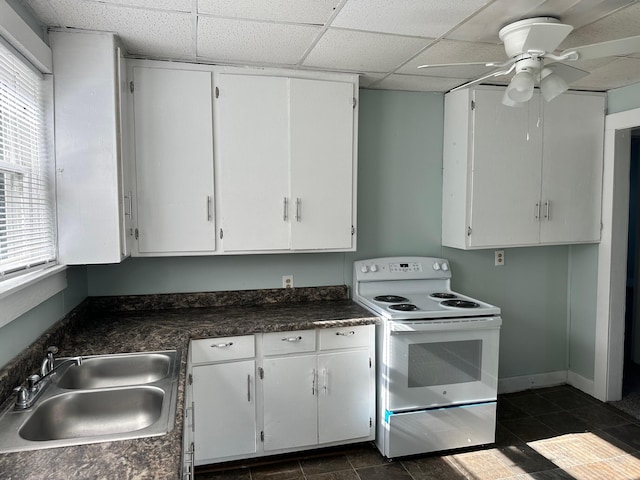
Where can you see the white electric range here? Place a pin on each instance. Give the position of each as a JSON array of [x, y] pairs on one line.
[[437, 353]]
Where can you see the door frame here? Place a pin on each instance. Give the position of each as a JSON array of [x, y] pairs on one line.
[[612, 256]]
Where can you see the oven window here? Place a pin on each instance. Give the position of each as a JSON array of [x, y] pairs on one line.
[[444, 363]]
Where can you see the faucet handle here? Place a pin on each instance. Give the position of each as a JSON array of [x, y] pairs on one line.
[[52, 349], [32, 382], [21, 392]]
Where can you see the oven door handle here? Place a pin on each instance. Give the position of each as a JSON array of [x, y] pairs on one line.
[[481, 323]]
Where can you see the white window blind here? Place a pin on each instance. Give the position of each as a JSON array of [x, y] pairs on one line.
[[27, 224]]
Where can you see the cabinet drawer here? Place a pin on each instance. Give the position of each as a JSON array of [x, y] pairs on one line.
[[221, 349], [276, 343], [344, 337]]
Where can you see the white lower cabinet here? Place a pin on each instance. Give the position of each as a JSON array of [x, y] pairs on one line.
[[290, 402], [225, 412], [297, 390]]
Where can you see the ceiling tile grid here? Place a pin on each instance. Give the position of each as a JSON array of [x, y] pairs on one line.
[[383, 40]]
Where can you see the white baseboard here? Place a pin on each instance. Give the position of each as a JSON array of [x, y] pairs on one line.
[[527, 382], [581, 383]]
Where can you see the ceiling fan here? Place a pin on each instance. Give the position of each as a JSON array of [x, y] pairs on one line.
[[530, 44]]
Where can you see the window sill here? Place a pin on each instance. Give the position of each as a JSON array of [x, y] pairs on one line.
[[21, 294]]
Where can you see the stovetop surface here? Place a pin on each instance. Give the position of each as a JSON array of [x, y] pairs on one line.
[[410, 288]]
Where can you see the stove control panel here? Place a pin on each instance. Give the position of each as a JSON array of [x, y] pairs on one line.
[[405, 267], [401, 268]]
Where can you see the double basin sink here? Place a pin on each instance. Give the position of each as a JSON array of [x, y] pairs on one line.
[[104, 398]]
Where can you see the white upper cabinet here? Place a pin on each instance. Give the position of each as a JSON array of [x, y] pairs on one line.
[[173, 124], [521, 176], [285, 156], [252, 131], [94, 198]]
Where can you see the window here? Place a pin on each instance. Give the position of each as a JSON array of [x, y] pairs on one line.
[[27, 223]]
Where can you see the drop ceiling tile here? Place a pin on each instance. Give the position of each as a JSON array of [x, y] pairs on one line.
[[362, 51], [449, 51], [238, 41], [418, 83], [173, 5], [620, 72], [424, 18], [45, 13], [623, 23], [299, 11], [144, 32], [484, 26]]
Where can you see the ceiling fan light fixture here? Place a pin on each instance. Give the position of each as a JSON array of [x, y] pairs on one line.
[[521, 87], [552, 85], [507, 102]]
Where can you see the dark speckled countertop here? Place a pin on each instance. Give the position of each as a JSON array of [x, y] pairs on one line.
[[119, 324]]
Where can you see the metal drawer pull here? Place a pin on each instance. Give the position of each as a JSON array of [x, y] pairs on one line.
[[285, 213], [291, 339], [129, 196], [298, 210], [221, 345], [347, 334], [209, 217], [547, 206], [249, 388], [537, 211]]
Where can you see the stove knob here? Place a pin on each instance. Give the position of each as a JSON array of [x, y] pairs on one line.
[[445, 266], [436, 266], [364, 269], [374, 268]]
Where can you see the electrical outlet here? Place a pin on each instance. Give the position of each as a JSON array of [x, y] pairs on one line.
[[499, 258], [287, 281]]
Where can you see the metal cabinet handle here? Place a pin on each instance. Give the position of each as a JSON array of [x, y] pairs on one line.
[[193, 416], [209, 217], [346, 334], [129, 196], [325, 381], [249, 388], [222, 345], [537, 211], [547, 209], [291, 339], [313, 381], [285, 213], [298, 210]]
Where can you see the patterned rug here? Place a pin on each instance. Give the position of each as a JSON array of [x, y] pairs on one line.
[[629, 404]]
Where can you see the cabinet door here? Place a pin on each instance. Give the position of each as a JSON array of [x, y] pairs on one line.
[[125, 166], [174, 160], [252, 155], [88, 155], [225, 411], [572, 169], [321, 139], [505, 170], [345, 395], [290, 402]]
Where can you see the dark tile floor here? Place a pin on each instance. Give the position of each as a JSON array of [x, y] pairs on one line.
[[556, 433]]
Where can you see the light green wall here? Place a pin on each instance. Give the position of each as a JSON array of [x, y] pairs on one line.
[[583, 284], [399, 213], [22, 331], [623, 99]]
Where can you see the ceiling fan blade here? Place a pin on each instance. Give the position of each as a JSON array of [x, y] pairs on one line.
[[495, 73], [567, 73], [620, 47], [545, 37], [463, 64]]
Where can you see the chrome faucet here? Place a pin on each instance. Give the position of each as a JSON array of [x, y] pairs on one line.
[[48, 362], [36, 384]]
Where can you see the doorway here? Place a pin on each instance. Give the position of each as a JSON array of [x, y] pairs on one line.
[[631, 369]]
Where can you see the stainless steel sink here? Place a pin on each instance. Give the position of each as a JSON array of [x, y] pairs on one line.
[[94, 413], [116, 397], [117, 370]]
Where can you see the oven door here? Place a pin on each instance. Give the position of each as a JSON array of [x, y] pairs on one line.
[[432, 365]]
